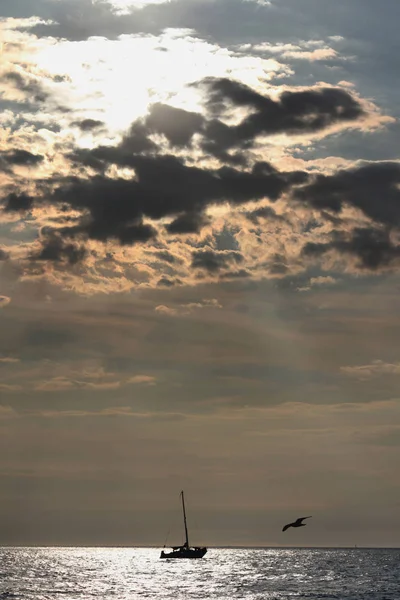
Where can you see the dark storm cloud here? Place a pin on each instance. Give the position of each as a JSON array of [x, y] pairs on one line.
[[135, 233], [20, 158], [178, 126], [55, 249], [293, 112], [188, 223], [17, 202], [165, 282], [373, 247], [163, 186], [136, 141], [373, 188], [88, 124], [212, 261], [3, 254]]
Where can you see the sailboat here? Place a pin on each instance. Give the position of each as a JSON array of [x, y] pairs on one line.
[[184, 551]]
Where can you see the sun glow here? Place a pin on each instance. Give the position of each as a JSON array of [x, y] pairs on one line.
[[116, 80]]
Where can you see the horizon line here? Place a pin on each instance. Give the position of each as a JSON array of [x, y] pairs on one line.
[[214, 547]]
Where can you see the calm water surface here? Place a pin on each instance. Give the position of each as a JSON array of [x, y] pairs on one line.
[[262, 574]]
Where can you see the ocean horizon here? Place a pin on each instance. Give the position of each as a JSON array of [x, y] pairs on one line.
[[45, 573], [209, 546]]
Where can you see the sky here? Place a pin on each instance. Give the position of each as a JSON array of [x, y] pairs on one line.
[[199, 272]]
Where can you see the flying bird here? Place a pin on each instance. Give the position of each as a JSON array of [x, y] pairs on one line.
[[297, 523]]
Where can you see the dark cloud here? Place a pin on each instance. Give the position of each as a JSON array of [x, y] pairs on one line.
[[54, 248], [212, 261], [167, 257], [373, 247], [21, 158], [188, 223], [373, 188], [265, 213], [294, 112], [178, 126], [239, 274], [165, 282], [163, 186], [136, 141], [17, 202], [30, 86], [277, 265], [3, 254], [135, 233], [88, 124]]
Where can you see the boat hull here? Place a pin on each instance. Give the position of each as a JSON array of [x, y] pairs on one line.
[[185, 553]]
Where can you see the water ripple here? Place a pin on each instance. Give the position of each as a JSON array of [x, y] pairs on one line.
[[254, 574]]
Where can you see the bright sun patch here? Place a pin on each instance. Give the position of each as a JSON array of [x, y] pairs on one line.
[[105, 79]]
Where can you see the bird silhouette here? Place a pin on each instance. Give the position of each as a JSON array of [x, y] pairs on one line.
[[297, 523]]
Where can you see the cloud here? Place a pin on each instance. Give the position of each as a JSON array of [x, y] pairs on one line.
[[213, 262], [181, 170], [6, 387], [264, 213], [86, 379], [165, 310], [56, 384], [4, 300], [371, 246], [53, 248], [163, 186], [375, 369], [142, 379], [315, 50], [31, 87], [9, 360], [20, 158], [7, 412], [373, 188], [178, 125], [303, 111], [322, 280], [188, 223], [88, 124], [190, 308], [18, 202]]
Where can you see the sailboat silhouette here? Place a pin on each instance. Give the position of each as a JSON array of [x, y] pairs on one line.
[[184, 551]]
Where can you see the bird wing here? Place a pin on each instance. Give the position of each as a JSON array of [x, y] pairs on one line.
[[302, 519], [287, 526]]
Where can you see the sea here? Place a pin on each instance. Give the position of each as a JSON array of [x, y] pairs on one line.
[[228, 574]]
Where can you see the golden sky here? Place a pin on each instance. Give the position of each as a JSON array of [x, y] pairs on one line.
[[199, 246]]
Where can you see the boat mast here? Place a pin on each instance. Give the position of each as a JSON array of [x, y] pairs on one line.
[[184, 519]]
